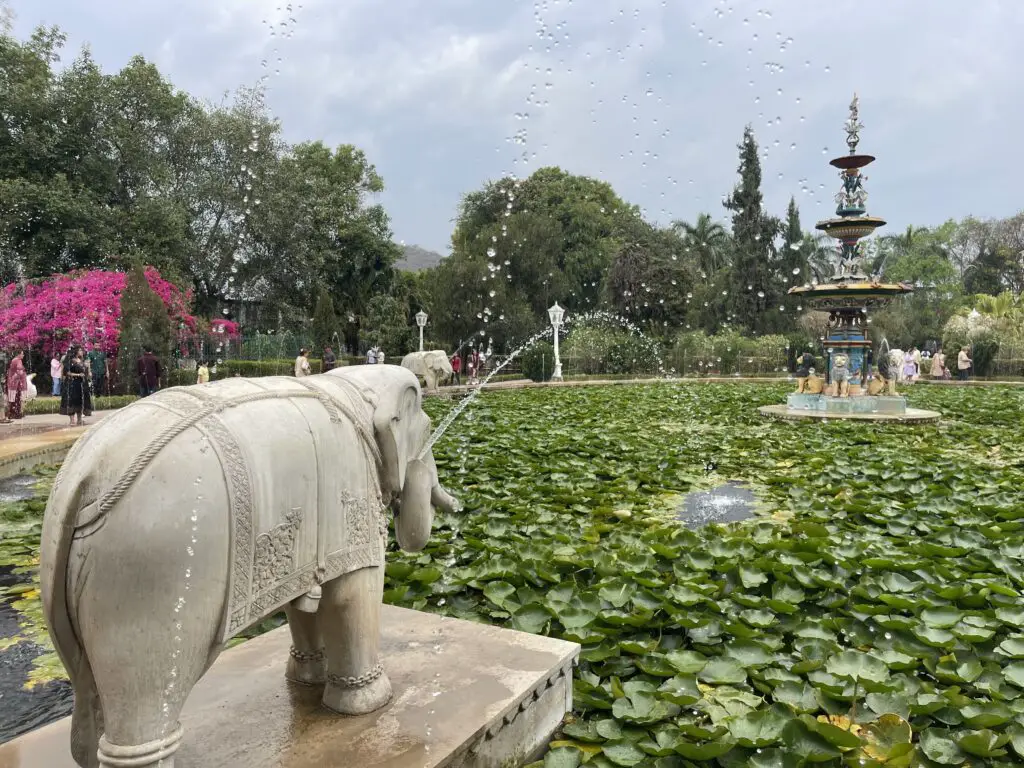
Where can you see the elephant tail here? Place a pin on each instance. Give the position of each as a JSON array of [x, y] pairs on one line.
[[59, 525]]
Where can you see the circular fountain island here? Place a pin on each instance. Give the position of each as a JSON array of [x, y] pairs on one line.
[[852, 387]]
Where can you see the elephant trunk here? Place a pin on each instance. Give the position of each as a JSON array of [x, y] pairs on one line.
[[420, 495]]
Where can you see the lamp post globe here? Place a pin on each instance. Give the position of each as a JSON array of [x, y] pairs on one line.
[[421, 321], [556, 315]]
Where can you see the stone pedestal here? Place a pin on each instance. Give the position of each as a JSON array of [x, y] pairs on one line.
[[825, 404], [466, 696]]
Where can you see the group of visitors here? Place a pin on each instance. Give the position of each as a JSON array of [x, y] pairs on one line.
[[374, 355], [939, 369], [76, 376], [475, 363]]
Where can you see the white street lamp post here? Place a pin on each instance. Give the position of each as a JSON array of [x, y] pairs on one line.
[[556, 314], [421, 321]]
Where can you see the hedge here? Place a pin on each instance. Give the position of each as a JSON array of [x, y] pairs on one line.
[[51, 405]]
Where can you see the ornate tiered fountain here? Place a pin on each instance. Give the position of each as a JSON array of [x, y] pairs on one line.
[[851, 388]]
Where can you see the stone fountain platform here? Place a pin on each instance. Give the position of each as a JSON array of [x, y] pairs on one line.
[[907, 416], [466, 696]]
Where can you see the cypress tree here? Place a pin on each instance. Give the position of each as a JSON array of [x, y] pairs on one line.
[[753, 293], [794, 249], [145, 322], [325, 321]]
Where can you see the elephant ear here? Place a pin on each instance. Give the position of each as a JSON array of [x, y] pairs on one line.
[[394, 424]]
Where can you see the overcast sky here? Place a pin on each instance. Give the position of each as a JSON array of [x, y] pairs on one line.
[[650, 95]]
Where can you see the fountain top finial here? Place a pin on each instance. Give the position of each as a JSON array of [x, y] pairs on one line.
[[853, 125]]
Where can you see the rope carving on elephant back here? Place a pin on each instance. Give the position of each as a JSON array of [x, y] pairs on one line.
[[147, 455]]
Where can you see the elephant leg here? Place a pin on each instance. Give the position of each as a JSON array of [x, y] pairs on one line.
[[306, 662], [350, 619], [145, 671], [149, 624]]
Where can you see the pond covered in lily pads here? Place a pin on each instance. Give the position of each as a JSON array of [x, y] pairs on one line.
[[867, 611]]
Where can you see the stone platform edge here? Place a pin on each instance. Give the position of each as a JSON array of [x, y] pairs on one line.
[[910, 416], [484, 697], [26, 460]]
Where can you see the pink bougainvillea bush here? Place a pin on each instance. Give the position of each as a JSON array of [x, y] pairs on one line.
[[80, 308], [222, 326]]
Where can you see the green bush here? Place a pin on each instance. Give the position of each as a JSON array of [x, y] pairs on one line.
[[978, 333], [50, 405], [591, 350], [538, 361], [251, 369]]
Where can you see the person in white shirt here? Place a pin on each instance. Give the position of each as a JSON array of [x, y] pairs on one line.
[[302, 363], [56, 373], [963, 364]]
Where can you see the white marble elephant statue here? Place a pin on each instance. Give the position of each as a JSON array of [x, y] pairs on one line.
[[432, 366], [190, 515]]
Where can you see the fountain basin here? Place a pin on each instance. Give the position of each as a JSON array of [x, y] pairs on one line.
[[846, 162], [836, 405], [852, 227], [908, 416]]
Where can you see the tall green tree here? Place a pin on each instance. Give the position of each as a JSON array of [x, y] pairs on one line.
[[144, 322], [325, 321], [706, 241], [754, 295], [520, 245], [793, 253]]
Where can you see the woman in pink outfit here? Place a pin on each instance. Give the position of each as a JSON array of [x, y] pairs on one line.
[[17, 382]]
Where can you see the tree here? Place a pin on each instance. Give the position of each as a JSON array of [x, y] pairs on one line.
[[385, 325], [520, 245], [795, 250], [706, 241], [325, 321], [753, 288], [144, 322], [315, 227]]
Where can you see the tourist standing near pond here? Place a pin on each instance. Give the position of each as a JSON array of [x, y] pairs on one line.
[[938, 370], [456, 362], [963, 364], [202, 373], [17, 383], [371, 356], [97, 362], [149, 371], [909, 368], [302, 363], [76, 402], [56, 373], [328, 361]]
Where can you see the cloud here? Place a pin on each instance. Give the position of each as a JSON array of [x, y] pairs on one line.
[[650, 95]]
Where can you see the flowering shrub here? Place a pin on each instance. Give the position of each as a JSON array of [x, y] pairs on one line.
[[222, 326], [82, 307]]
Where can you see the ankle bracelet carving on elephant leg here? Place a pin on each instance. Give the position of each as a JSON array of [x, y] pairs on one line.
[[357, 682], [306, 656]]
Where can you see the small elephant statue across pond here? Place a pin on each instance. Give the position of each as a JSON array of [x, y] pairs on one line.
[[433, 366], [193, 514]]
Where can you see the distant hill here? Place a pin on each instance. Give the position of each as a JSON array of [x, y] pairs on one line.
[[415, 258]]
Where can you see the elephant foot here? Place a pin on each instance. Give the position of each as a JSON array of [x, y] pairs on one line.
[[153, 754], [306, 668], [358, 695]]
